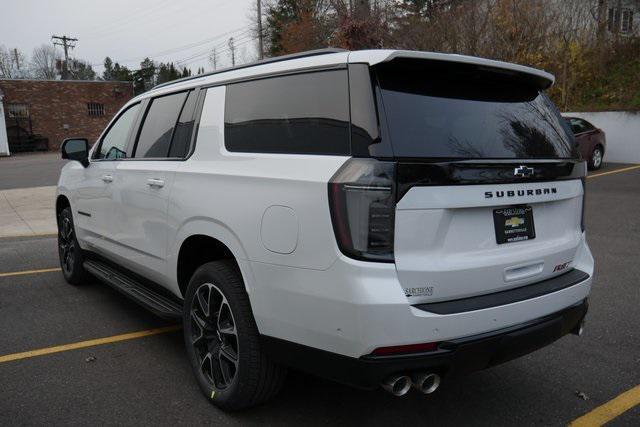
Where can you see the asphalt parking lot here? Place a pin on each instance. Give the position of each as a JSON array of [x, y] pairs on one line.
[[145, 378]]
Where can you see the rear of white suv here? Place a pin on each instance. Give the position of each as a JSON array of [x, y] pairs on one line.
[[373, 217]]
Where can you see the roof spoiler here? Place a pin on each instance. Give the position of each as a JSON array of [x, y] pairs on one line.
[[542, 79]]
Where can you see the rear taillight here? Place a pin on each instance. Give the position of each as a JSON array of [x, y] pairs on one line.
[[362, 202]]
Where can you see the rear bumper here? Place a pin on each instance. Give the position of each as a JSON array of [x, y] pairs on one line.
[[460, 355]]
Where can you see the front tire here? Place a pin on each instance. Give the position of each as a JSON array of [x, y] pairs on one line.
[[595, 162], [222, 340], [69, 251]]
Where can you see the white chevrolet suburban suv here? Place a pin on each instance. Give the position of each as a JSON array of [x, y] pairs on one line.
[[378, 218]]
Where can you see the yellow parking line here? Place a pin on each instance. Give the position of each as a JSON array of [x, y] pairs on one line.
[[614, 171], [89, 343], [22, 273], [610, 410], [29, 235]]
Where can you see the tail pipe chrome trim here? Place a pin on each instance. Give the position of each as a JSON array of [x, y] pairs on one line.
[[425, 382], [398, 385], [579, 330]]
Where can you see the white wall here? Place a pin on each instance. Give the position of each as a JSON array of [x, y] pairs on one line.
[[622, 129]]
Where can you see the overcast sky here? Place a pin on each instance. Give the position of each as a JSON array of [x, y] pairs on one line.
[[130, 30]]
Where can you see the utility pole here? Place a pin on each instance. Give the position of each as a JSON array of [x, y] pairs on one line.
[[233, 52], [15, 55], [214, 59], [66, 43], [260, 42]]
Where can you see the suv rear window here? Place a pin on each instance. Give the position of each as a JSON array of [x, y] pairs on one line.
[[296, 114], [436, 109]]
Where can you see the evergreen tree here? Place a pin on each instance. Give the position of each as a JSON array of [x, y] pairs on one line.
[[107, 74]]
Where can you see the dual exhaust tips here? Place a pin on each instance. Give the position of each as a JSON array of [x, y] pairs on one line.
[[424, 382]]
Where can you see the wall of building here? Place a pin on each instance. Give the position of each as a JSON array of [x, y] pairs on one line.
[[622, 129], [58, 109]]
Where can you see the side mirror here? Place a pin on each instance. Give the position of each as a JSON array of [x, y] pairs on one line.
[[76, 149]]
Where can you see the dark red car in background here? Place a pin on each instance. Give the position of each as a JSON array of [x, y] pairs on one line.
[[591, 141]]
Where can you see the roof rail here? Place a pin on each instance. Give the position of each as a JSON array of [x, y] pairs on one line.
[[305, 54]]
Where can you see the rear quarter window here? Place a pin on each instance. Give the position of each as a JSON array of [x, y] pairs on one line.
[[296, 114]]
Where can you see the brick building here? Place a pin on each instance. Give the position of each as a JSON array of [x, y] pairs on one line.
[[40, 110]]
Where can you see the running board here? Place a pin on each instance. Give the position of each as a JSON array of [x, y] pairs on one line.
[[151, 300]]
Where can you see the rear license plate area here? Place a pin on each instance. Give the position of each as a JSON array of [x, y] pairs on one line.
[[514, 224]]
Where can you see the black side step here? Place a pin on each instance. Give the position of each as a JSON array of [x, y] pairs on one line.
[[153, 301]]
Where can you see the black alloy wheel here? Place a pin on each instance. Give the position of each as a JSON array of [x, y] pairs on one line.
[[214, 336], [69, 251], [66, 246], [222, 340]]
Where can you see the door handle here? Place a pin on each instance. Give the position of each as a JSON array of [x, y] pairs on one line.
[[107, 178], [155, 182]]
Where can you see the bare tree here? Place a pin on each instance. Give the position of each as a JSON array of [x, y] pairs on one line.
[[6, 64], [43, 62], [13, 64]]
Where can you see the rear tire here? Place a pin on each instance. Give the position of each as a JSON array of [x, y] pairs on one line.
[[595, 162], [222, 340], [69, 251]]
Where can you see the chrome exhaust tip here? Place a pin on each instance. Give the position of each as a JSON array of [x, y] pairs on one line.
[[426, 383], [398, 385], [579, 330]]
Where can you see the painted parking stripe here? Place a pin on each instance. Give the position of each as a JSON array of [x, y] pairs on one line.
[[25, 272], [610, 410], [89, 343], [19, 236], [614, 171]]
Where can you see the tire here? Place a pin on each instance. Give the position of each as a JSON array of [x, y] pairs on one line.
[[69, 251], [595, 162], [222, 340]]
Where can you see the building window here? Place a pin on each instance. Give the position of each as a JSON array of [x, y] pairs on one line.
[[95, 109], [613, 19], [18, 111], [627, 21], [620, 20]]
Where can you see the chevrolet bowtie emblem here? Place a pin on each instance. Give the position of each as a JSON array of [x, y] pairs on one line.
[[523, 171], [513, 222]]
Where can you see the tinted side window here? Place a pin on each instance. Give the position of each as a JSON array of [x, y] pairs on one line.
[[298, 114], [577, 126], [184, 127], [587, 125], [159, 123], [114, 143]]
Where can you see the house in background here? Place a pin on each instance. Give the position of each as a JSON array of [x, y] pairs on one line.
[[40, 114]]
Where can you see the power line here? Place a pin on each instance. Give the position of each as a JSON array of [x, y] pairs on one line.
[[208, 49], [152, 15], [191, 45], [185, 47], [236, 44], [222, 45], [134, 16]]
